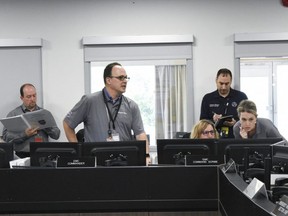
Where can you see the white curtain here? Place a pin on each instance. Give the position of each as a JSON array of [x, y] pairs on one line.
[[171, 100]]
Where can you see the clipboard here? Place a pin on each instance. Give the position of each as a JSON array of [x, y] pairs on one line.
[[221, 120]]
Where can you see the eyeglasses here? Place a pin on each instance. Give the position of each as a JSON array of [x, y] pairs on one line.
[[212, 132], [121, 78]]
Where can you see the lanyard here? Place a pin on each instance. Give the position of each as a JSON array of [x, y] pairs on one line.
[[109, 112], [26, 110], [23, 110]]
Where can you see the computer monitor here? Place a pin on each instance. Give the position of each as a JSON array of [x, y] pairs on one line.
[[280, 157], [116, 153], [46, 154], [6, 154], [254, 150], [187, 151]]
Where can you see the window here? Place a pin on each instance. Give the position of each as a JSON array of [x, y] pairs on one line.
[[140, 88], [147, 52], [264, 82], [261, 70], [154, 88]]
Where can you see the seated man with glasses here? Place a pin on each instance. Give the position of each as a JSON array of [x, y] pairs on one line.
[[107, 115], [204, 129]]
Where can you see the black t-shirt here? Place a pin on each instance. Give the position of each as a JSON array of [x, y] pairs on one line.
[[214, 103]]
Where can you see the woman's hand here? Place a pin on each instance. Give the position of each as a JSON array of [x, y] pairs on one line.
[[243, 133]]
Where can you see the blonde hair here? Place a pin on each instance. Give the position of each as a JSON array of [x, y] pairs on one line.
[[198, 129], [247, 106]]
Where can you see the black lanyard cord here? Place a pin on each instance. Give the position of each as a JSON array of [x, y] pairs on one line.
[[109, 112]]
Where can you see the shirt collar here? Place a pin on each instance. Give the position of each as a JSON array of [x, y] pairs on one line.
[[231, 92], [109, 98], [24, 109]]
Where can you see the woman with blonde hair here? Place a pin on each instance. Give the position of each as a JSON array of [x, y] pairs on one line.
[[251, 126], [204, 129]]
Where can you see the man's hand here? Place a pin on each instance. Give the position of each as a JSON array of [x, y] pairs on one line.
[[31, 131], [229, 123], [216, 117], [148, 161]]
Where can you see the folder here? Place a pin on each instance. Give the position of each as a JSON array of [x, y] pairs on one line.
[[40, 119]]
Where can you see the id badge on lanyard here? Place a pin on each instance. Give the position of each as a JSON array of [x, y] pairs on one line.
[[112, 134], [113, 137]]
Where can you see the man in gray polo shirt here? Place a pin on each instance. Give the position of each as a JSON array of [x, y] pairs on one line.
[[107, 114], [21, 139]]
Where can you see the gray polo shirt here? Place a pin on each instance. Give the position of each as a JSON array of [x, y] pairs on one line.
[[264, 129], [92, 111]]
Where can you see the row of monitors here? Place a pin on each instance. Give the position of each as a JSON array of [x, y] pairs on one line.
[[169, 151]]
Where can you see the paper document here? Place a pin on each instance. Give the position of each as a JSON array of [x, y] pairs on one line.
[[37, 119]]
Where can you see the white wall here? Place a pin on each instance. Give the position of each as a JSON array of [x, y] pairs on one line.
[[63, 23]]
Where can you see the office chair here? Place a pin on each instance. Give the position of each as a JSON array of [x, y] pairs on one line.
[[80, 135], [182, 134]]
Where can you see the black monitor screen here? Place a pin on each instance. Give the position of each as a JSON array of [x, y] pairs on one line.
[[254, 150], [46, 154], [186, 151], [116, 153], [6, 154], [280, 157]]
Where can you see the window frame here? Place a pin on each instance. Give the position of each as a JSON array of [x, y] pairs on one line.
[[148, 47], [258, 45]]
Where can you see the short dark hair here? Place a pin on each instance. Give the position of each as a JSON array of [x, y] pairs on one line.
[[108, 70], [23, 86], [225, 72]]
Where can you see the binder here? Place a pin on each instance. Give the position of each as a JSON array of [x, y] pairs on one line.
[[40, 119]]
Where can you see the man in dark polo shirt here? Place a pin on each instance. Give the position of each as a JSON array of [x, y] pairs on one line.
[[222, 102]]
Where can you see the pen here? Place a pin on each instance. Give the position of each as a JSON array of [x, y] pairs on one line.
[[227, 104]]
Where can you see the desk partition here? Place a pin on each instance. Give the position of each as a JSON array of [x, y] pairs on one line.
[[234, 202], [128, 189], [109, 189]]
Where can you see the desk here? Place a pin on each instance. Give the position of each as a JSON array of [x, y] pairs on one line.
[[111, 189], [234, 202], [127, 189]]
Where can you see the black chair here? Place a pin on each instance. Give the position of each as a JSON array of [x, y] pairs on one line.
[[182, 135], [80, 135]]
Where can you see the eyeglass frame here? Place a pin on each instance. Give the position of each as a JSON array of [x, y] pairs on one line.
[[206, 133], [121, 78]]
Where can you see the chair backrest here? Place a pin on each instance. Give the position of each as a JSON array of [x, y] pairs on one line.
[[80, 135], [187, 135], [182, 135]]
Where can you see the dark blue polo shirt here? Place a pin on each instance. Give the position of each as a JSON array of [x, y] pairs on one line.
[[214, 103]]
